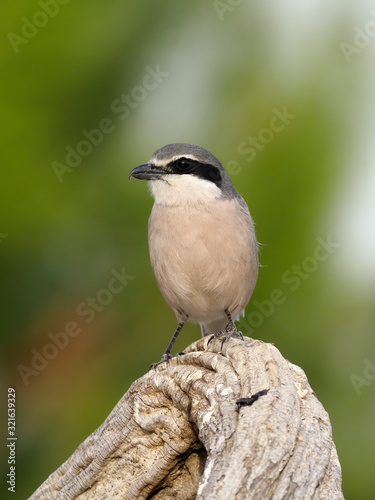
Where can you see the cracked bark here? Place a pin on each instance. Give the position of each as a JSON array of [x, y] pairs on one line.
[[178, 433]]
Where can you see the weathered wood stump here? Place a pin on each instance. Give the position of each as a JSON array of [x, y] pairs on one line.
[[179, 433]]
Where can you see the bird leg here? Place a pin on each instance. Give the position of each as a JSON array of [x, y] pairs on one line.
[[231, 327], [230, 331], [167, 355]]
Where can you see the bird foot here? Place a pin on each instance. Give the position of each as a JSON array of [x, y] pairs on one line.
[[229, 332], [165, 358]]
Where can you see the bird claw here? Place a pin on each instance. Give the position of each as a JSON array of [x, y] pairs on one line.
[[232, 333], [229, 332], [165, 358]]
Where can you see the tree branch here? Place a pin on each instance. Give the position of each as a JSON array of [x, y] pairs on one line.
[[179, 433]]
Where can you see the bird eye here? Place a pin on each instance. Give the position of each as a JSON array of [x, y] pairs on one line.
[[183, 164]]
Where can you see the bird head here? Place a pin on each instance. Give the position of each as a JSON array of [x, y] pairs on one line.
[[182, 173]]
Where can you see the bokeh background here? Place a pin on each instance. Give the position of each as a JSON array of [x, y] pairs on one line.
[[224, 67]]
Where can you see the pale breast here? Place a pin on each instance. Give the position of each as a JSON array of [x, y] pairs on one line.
[[204, 257]]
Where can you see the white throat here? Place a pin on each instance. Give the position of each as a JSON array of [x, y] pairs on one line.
[[184, 189]]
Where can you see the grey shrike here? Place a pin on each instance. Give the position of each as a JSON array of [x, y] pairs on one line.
[[201, 236]]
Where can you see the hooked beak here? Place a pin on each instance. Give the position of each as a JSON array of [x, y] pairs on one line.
[[147, 171]]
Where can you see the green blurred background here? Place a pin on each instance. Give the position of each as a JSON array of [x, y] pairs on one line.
[[225, 67]]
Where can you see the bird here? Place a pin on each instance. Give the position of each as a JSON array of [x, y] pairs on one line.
[[202, 243]]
